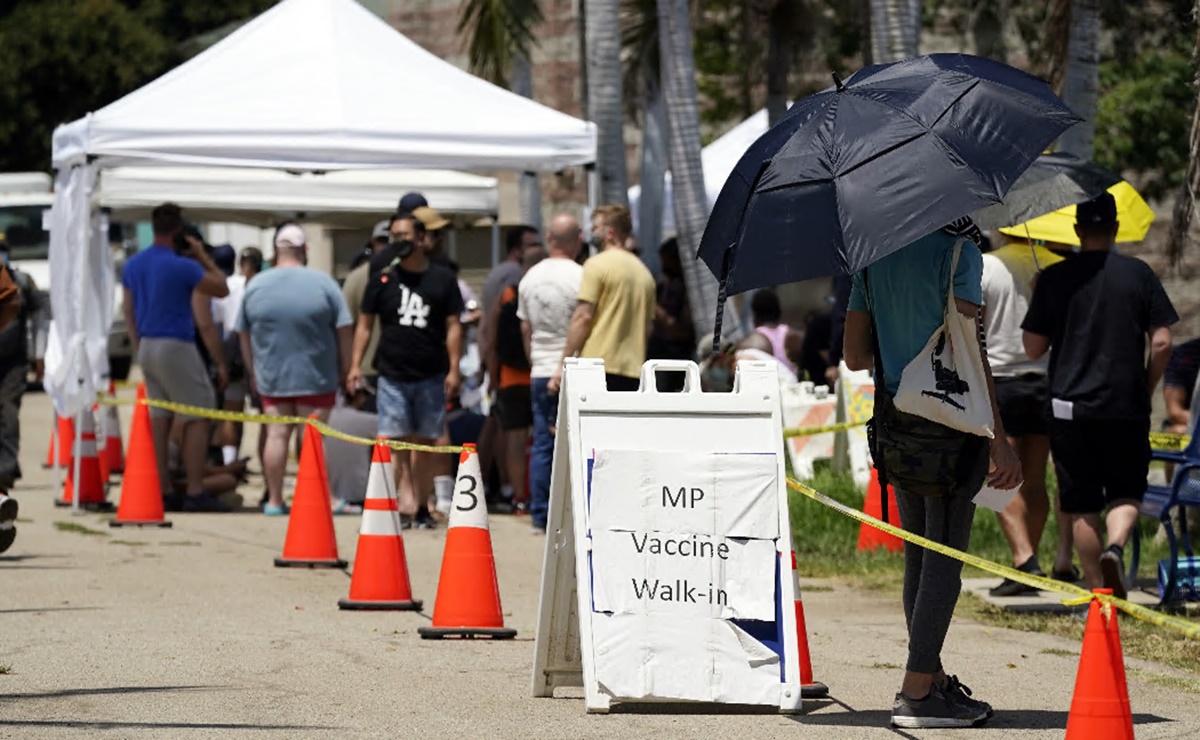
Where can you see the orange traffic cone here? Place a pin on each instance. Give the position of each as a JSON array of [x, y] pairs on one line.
[[1100, 708], [113, 447], [91, 484], [869, 537], [310, 538], [468, 597], [141, 503], [64, 429], [380, 577], [809, 689]]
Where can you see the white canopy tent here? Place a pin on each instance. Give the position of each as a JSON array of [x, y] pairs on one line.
[[264, 197], [719, 158], [309, 85]]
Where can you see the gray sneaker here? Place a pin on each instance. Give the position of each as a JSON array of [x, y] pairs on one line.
[[1112, 570], [958, 692], [935, 710]]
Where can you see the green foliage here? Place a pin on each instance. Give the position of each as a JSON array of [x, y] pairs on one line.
[[1144, 117], [498, 31], [60, 59]]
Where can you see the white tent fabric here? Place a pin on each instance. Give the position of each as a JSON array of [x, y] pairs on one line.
[[325, 85], [718, 158], [264, 197]]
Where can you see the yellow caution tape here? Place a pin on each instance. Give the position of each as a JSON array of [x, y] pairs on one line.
[[1168, 441], [810, 431], [1077, 595], [1165, 441], [237, 416]]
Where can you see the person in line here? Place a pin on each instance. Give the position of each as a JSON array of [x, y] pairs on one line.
[[546, 301], [158, 287], [436, 227], [717, 370], [616, 305], [509, 362], [353, 289], [1179, 387], [1008, 276], [1098, 311], [672, 337], [15, 352], [839, 302], [296, 334], [900, 300], [767, 315], [225, 312], [418, 304]]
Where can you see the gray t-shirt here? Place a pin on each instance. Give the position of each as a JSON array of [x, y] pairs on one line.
[[504, 275], [292, 315]]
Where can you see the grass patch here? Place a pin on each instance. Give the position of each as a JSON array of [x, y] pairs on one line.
[[1059, 652], [131, 543], [180, 543], [886, 666], [5, 669], [816, 589], [24, 520], [78, 529], [1179, 683]]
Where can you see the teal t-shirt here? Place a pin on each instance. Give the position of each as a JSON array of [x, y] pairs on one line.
[[908, 296]]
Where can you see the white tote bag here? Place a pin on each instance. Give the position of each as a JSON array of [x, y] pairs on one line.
[[946, 381]]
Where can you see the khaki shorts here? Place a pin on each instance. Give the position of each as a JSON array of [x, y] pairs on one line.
[[174, 372]]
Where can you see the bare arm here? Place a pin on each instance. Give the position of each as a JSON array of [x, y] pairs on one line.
[[454, 350], [345, 345], [248, 359], [1036, 345], [527, 340], [857, 349], [202, 312], [1005, 472], [213, 283], [577, 333], [130, 319], [1177, 410], [491, 357], [362, 337], [1160, 353]]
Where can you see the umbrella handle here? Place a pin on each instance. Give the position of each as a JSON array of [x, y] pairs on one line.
[[722, 287]]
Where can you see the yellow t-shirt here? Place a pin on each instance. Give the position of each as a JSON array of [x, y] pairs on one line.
[[622, 290]]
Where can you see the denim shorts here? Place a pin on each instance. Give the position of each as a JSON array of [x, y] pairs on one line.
[[416, 409]]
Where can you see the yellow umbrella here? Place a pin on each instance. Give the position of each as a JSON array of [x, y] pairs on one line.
[[1133, 214]]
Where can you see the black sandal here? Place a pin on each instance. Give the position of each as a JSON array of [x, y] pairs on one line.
[[1067, 576]]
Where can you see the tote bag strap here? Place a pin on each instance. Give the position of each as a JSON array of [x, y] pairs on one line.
[[950, 306]]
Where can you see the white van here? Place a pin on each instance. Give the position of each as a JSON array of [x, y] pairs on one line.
[[25, 200]]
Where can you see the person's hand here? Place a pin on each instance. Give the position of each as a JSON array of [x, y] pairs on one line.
[[1178, 429], [222, 378], [353, 380], [452, 384], [195, 244], [831, 376], [1005, 470], [555, 381], [252, 382]]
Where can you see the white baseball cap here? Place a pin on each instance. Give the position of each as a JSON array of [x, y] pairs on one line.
[[291, 235]]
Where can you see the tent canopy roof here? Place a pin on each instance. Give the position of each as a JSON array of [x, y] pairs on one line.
[[324, 85]]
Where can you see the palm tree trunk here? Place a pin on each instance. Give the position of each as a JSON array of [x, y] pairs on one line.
[[530, 189], [654, 167], [779, 58], [1185, 203], [895, 30], [605, 103], [1082, 81], [683, 153]]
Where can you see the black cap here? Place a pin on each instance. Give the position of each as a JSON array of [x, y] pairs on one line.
[[410, 202], [1098, 212], [224, 256]]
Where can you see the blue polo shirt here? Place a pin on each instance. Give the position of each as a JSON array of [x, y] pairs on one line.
[[162, 282], [908, 296]]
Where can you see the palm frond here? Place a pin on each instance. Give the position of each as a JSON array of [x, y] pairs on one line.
[[498, 31]]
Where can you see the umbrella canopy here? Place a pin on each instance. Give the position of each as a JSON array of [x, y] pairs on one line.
[[857, 171], [1133, 215], [1053, 181]]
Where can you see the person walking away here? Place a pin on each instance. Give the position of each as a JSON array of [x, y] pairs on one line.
[[616, 305], [1096, 311], [225, 312], [158, 286], [672, 337], [420, 345], [767, 315], [546, 300], [296, 335], [1008, 276], [353, 289], [509, 362], [19, 304], [896, 304]]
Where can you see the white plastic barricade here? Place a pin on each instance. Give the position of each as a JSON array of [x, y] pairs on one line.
[[858, 404], [806, 406], [667, 571]]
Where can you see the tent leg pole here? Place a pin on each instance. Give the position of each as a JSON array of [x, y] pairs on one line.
[[495, 241], [77, 454], [592, 176]]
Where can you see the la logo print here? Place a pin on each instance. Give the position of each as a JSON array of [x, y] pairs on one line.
[[412, 311]]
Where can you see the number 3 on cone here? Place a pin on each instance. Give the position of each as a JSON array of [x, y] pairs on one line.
[[469, 490]]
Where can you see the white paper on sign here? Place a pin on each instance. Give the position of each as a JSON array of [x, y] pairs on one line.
[[658, 656], [688, 575], [729, 495], [994, 498]]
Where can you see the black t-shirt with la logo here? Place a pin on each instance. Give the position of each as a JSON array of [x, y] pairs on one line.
[[412, 308]]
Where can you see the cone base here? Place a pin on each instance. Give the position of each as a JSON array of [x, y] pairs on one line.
[[286, 563], [814, 690], [437, 633], [381, 606], [101, 506], [161, 523]]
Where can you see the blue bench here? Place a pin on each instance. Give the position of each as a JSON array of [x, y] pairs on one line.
[[1182, 492]]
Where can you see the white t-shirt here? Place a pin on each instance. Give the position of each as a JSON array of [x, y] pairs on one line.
[[546, 299], [1008, 274], [225, 310]]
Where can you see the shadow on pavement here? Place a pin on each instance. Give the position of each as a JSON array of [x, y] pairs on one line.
[[1011, 719], [97, 725], [35, 610], [65, 693]]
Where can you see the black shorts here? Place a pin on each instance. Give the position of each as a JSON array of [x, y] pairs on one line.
[[1099, 462], [1022, 402], [514, 407]]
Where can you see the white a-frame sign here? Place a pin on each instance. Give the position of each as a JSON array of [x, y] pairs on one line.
[[667, 574]]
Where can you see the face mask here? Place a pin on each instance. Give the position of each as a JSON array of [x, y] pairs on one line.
[[402, 248], [719, 376], [597, 242]]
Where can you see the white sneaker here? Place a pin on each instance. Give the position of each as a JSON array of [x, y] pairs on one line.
[[8, 519]]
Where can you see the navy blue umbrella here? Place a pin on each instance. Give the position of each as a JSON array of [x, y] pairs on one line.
[[855, 172]]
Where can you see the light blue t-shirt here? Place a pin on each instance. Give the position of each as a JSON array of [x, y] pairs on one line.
[[292, 315], [161, 283], [908, 296]]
